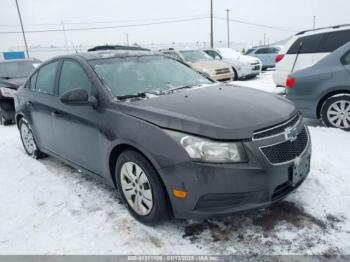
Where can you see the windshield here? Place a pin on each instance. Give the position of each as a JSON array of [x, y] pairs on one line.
[[18, 69], [195, 55], [132, 75], [249, 51]]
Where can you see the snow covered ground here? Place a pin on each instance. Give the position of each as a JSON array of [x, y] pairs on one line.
[[47, 207]]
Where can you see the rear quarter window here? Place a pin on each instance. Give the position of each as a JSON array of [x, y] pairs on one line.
[[345, 60], [262, 51], [334, 40], [306, 44]]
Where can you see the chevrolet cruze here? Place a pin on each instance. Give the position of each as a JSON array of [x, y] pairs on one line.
[[171, 140]]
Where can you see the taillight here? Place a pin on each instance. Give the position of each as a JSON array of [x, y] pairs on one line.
[[279, 58], [290, 82]]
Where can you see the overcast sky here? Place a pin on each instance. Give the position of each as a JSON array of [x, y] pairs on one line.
[[289, 15]]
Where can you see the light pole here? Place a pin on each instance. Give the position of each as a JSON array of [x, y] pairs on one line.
[[127, 39], [65, 37], [228, 27], [211, 25], [24, 35], [314, 22]]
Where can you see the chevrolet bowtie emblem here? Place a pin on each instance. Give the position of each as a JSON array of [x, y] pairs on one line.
[[291, 134]]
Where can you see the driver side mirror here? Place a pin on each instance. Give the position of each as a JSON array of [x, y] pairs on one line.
[[78, 97], [217, 58]]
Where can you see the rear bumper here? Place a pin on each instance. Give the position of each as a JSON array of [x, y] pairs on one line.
[[222, 189], [280, 77], [7, 107]]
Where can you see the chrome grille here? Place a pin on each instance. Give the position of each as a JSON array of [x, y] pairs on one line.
[[222, 71]]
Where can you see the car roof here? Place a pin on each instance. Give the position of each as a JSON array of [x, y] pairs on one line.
[[113, 53], [117, 47], [323, 30]]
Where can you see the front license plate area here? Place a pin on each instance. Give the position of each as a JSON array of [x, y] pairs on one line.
[[300, 169]]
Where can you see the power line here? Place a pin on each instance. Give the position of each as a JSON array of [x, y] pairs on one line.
[[256, 24], [104, 27], [105, 22]]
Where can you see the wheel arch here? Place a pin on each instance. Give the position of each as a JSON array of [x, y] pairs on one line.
[[118, 149], [235, 73], [19, 116], [327, 96]]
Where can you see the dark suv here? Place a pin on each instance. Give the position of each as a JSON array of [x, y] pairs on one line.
[[171, 140]]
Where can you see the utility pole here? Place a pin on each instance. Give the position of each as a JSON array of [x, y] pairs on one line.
[[314, 22], [228, 27], [264, 38], [24, 35], [127, 39], [211, 25], [65, 37]]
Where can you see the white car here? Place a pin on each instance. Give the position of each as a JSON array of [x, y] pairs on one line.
[[307, 48], [243, 66]]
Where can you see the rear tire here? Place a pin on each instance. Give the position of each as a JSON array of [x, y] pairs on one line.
[[141, 188], [28, 140], [335, 112]]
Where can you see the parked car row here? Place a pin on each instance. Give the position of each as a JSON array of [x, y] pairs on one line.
[[171, 139], [315, 69]]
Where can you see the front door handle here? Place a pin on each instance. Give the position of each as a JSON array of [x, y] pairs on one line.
[[28, 103], [56, 114]]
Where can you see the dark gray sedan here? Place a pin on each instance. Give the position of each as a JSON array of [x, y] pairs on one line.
[[322, 91], [171, 140]]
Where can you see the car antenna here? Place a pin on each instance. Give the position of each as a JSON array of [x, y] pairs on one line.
[[296, 58]]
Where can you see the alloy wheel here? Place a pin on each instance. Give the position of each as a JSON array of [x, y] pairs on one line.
[[338, 114], [136, 188], [28, 139]]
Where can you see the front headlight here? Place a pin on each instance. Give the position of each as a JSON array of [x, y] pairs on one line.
[[205, 150], [7, 92]]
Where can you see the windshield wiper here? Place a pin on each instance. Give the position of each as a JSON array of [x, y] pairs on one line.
[[138, 95], [5, 77], [178, 88]]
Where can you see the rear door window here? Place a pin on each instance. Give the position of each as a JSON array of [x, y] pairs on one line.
[[306, 44], [334, 40], [45, 82]]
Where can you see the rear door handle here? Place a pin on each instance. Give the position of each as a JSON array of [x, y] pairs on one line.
[[56, 114]]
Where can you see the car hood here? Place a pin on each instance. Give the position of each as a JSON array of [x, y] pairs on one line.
[[219, 111], [209, 65], [13, 83]]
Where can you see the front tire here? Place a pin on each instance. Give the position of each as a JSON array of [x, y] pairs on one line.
[[335, 112], [28, 140], [141, 188], [235, 77], [3, 120]]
